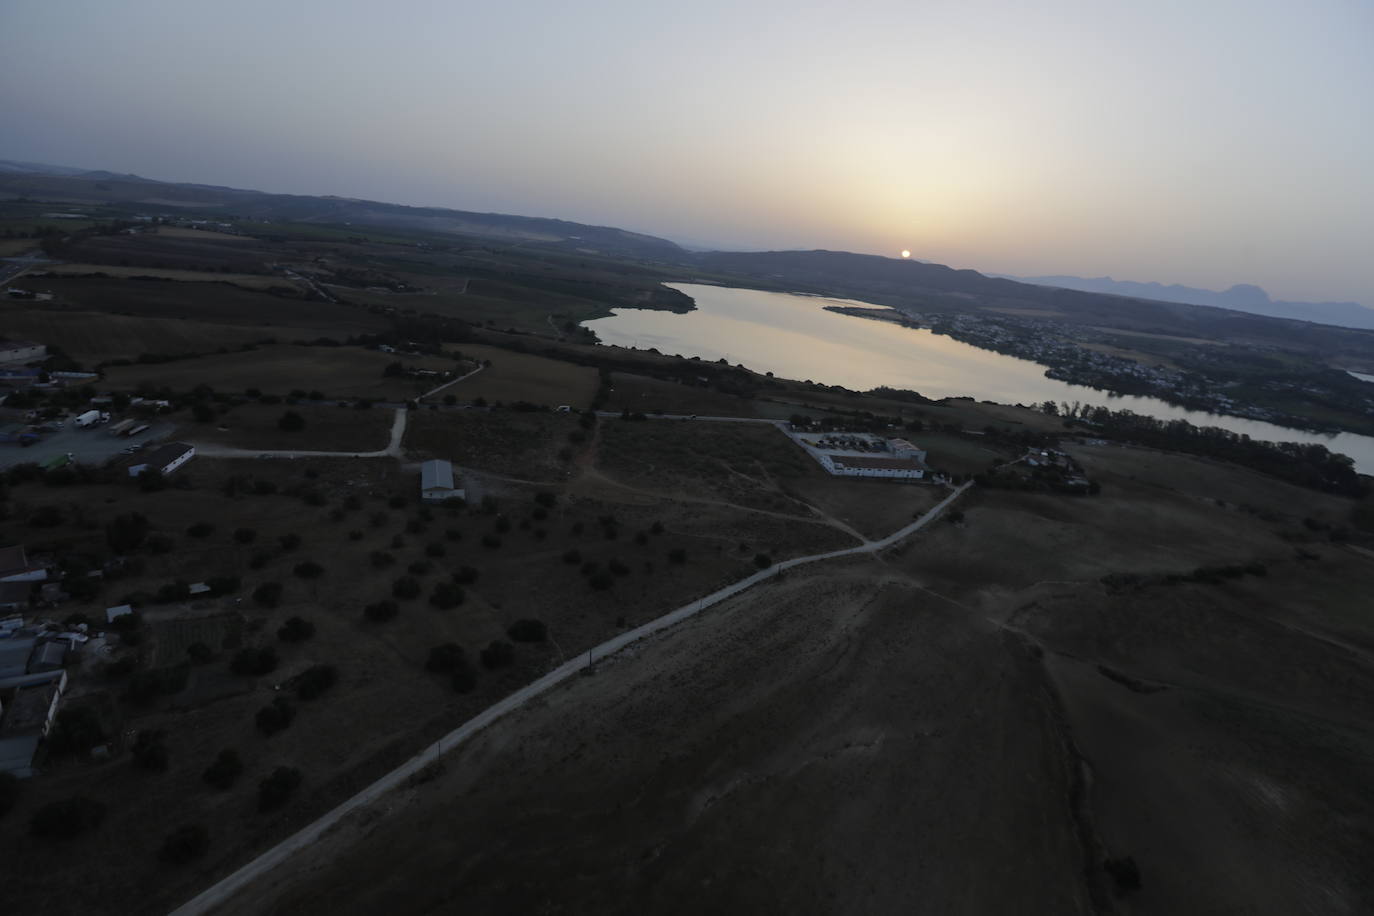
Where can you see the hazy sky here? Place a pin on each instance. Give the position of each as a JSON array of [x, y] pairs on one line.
[[1206, 142]]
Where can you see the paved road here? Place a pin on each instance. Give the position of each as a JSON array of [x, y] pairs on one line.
[[223, 891], [393, 449]]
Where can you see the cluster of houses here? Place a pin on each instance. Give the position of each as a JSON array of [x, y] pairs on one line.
[[864, 455]]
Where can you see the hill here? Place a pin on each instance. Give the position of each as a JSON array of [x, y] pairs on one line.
[[1242, 297], [73, 186]]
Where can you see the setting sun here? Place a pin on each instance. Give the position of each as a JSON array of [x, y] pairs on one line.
[[905, 253]]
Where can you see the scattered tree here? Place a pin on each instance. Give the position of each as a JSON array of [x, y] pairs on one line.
[[275, 790], [275, 716], [528, 630], [296, 629], [225, 771], [185, 844]]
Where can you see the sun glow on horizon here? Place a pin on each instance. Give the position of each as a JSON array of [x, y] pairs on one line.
[[905, 253]]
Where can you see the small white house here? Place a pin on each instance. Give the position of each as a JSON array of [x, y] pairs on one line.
[[165, 458], [437, 482]]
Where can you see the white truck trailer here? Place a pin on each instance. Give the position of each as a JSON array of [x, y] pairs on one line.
[[91, 418]]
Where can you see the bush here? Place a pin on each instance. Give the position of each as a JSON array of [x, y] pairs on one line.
[[70, 817], [406, 588], [762, 560], [528, 630], [445, 658], [268, 594], [315, 680], [223, 585], [77, 730], [465, 575], [420, 568], [275, 790], [381, 610], [289, 542], [225, 771], [201, 530], [185, 844], [464, 677], [447, 595], [435, 549], [308, 569], [253, 661], [199, 653], [1125, 874], [380, 559], [572, 556], [500, 654], [601, 581], [149, 751], [491, 541], [9, 792], [291, 422], [296, 629], [677, 555], [145, 685], [275, 716]]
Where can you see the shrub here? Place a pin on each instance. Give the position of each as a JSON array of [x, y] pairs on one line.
[[289, 542], [491, 541], [420, 568], [617, 568], [315, 680], [572, 556], [446, 595], [381, 610], [201, 530], [466, 575], [223, 585], [445, 658], [499, 654], [77, 730], [762, 560], [9, 792], [677, 555], [149, 751], [252, 661], [434, 549], [453, 534], [308, 569], [185, 844], [380, 559], [464, 677], [1125, 874], [199, 653], [296, 629], [67, 818], [405, 588], [145, 685], [601, 580], [275, 716], [268, 594], [528, 630], [225, 771], [275, 790], [291, 422]]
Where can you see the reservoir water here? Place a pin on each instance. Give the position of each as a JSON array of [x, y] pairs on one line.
[[795, 337]]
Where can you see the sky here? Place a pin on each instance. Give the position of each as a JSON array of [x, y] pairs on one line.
[[1207, 142]]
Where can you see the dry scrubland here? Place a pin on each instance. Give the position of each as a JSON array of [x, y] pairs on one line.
[[385, 704], [524, 377], [642, 394], [336, 372], [883, 736], [254, 426], [525, 446]]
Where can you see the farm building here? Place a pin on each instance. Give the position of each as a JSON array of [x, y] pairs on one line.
[[165, 458], [28, 704], [437, 482], [864, 455]]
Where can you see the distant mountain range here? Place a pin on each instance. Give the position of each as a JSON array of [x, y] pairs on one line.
[[1242, 297], [84, 187]]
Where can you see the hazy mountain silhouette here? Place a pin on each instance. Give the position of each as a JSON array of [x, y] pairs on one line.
[[1242, 297]]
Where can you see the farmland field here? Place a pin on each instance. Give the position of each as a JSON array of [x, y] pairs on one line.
[[524, 377], [219, 303], [327, 429], [248, 281], [507, 442], [336, 372], [95, 337]]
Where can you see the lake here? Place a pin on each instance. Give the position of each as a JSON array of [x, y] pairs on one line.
[[794, 336]]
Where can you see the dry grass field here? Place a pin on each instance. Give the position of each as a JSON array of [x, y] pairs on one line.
[[641, 394], [254, 426], [95, 337], [336, 372], [217, 303], [506, 442], [204, 235], [248, 281], [525, 377]]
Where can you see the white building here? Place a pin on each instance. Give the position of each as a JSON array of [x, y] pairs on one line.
[[165, 458], [15, 566], [437, 482], [864, 455]]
